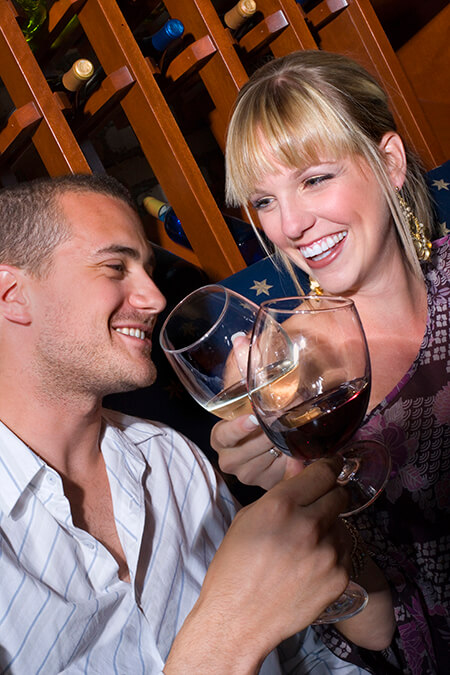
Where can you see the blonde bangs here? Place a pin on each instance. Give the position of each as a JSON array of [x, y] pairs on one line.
[[295, 130]]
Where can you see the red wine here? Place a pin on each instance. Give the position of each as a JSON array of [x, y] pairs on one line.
[[320, 426]]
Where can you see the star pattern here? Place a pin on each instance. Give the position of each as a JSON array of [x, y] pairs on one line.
[[261, 287], [441, 184]]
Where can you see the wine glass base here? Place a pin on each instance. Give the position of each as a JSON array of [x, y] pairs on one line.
[[366, 471], [351, 602]]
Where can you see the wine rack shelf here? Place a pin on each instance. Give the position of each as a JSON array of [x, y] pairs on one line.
[[211, 61]]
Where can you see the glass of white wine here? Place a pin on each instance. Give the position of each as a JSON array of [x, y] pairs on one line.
[[197, 338]]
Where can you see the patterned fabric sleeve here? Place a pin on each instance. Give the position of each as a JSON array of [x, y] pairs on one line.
[[407, 529]]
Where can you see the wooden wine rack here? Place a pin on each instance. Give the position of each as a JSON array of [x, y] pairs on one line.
[[134, 83]]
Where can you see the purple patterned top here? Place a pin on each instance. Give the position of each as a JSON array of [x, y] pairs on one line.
[[407, 529]]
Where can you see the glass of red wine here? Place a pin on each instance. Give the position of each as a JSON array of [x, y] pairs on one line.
[[309, 382]]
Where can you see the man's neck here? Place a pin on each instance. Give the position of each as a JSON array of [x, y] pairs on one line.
[[64, 433]]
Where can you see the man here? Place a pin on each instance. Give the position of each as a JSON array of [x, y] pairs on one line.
[[108, 524]]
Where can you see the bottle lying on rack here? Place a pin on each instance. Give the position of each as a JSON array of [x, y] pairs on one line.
[[32, 14], [70, 82], [159, 42], [242, 232], [73, 80], [156, 44], [238, 16]]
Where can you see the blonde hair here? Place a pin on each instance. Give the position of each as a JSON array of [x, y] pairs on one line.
[[307, 105]]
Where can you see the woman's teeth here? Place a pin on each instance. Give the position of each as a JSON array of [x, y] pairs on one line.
[[320, 249]]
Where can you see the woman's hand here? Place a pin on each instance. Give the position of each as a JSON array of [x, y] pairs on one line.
[[243, 450]]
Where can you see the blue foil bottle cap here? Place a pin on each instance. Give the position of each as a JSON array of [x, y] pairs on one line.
[[172, 29]]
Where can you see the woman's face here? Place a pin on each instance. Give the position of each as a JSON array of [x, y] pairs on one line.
[[332, 220]]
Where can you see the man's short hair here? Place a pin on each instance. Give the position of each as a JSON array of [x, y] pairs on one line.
[[32, 221]]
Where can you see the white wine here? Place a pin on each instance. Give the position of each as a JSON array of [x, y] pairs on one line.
[[279, 391], [231, 402]]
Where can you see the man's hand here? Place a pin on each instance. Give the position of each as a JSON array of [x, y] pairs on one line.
[[281, 563]]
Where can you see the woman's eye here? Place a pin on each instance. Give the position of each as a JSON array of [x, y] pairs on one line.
[[261, 203], [316, 180]]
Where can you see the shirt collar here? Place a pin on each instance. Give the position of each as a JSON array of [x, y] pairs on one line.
[[135, 429], [18, 467]]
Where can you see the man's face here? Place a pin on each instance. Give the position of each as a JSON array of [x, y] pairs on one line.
[[93, 316]]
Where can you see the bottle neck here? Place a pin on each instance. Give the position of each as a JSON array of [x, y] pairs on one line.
[[171, 30], [238, 14], [81, 71]]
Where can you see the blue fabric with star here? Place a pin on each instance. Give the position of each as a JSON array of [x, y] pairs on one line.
[[265, 280], [438, 180]]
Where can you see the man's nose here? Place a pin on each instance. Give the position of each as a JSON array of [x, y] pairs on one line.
[[145, 294]]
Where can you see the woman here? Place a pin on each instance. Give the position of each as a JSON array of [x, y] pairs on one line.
[[313, 148]]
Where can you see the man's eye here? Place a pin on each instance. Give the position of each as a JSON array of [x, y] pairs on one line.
[[316, 180], [117, 267]]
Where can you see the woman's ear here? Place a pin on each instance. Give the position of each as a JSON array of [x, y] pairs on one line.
[[13, 300], [392, 148]]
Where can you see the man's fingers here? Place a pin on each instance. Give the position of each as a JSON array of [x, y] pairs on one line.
[[315, 481]]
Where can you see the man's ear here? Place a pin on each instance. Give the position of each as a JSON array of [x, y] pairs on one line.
[[14, 304], [392, 147]]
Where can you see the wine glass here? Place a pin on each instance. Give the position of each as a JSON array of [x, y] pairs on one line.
[[197, 338], [309, 383]]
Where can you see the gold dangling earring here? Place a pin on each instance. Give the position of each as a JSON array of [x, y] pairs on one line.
[[421, 243], [316, 289]]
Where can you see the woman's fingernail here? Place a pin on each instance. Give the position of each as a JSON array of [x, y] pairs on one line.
[[251, 422], [240, 333]]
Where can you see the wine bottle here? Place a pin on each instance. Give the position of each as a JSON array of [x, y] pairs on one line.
[[238, 15], [73, 79], [32, 14], [158, 40], [242, 232], [155, 45], [165, 213]]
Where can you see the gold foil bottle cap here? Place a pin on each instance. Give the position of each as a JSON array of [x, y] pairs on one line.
[[236, 16], [153, 205], [81, 71]]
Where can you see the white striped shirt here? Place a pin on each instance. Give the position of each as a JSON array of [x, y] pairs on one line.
[[63, 607]]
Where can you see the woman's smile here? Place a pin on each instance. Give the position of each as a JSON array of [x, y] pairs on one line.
[[324, 250]]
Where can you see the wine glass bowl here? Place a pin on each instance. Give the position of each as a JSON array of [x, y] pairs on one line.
[[197, 338], [309, 382]]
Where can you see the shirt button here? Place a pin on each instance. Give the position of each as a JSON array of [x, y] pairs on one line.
[[51, 478], [89, 544]]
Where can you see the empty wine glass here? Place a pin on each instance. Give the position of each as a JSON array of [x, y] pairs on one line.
[[197, 338], [309, 383]]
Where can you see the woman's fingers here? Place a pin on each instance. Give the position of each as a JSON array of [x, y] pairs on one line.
[[241, 344], [244, 451], [233, 433]]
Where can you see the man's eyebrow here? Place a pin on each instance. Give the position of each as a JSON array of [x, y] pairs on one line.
[[126, 251]]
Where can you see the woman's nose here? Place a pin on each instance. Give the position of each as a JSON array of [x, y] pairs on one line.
[[295, 221]]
